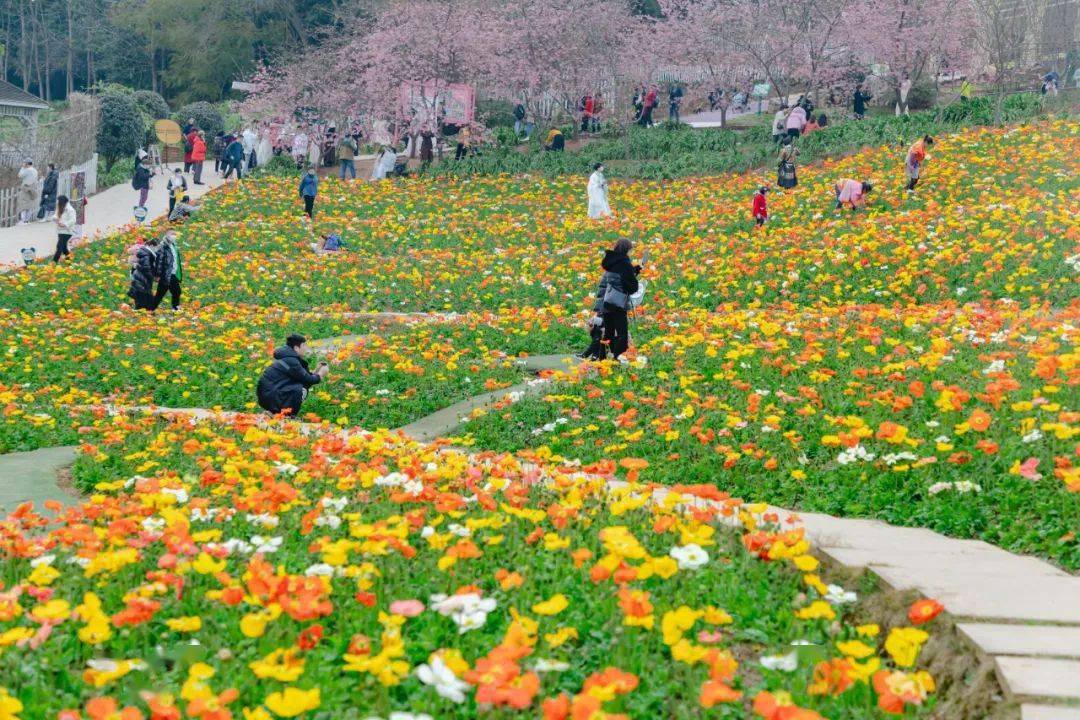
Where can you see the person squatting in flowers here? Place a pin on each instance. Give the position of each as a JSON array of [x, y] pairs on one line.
[[284, 385]]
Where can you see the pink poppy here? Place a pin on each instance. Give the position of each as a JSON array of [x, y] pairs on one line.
[[406, 608], [1027, 469], [710, 637]]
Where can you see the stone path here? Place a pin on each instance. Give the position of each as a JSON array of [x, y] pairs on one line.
[[1019, 610], [444, 422], [106, 212], [32, 477]]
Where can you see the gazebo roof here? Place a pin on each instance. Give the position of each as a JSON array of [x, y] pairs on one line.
[[14, 97]]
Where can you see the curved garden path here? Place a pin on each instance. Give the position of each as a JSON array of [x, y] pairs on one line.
[[1022, 612]]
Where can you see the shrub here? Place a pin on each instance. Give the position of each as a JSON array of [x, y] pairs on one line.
[[121, 129], [152, 104], [207, 116], [922, 96]]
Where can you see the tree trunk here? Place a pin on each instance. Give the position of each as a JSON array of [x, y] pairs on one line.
[[24, 47], [70, 70]]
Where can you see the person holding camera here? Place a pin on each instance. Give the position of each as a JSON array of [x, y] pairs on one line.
[[284, 385], [617, 284]]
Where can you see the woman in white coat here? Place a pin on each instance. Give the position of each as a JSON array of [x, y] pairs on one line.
[[598, 189], [384, 163]]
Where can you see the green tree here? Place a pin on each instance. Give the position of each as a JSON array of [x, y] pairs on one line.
[[121, 128]]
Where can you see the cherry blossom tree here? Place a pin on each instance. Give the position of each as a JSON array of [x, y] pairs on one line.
[[910, 37]]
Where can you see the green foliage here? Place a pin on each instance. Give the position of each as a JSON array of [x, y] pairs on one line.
[[495, 113], [670, 151], [279, 166], [121, 129], [152, 104], [207, 116], [923, 95], [118, 174]]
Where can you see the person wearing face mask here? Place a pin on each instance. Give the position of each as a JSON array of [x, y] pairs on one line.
[[309, 188]]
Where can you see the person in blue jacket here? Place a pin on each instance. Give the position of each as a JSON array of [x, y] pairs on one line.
[[234, 158], [309, 188]]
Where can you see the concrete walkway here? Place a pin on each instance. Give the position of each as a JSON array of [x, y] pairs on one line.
[[106, 212], [32, 477]]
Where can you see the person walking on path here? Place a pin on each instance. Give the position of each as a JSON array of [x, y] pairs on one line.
[[796, 121], [852, 193], [915, 157], [189, 145], [65, 220], [143, 274], [598, 194], [27, 199], [859, 103], [309, 188], [284, 385], [170, 271], [177, 187], [675, 97], [612, 303], [346, 156], [219, 151], [198, 155], [234, 158], [520, 122], [760, 207], [652, 99], [140, 181], [786, 177], [48, 193]]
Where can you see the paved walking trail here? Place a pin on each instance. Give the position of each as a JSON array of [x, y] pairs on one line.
[[1021, 611], [106, 212]]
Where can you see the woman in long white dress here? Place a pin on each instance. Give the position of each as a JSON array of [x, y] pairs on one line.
[[598, 190], [384, 163], [264, 149]]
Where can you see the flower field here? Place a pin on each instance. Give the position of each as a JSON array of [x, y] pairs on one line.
[[604, 549]]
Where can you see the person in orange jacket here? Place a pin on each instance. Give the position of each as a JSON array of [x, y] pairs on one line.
[[915, 158], [198, 154]]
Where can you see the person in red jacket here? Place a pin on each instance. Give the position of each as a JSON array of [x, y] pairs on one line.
[[761, 210], [198, 154], [187, 148]]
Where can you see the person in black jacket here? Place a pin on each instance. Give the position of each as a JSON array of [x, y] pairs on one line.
[[48, 193], [284, 385], [617, 284]]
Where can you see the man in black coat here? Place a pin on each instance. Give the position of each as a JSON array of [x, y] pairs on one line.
[[284, 385]]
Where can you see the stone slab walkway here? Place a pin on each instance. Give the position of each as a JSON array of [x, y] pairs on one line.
[[32, 477], [444, 422], [106, 212], [1019, 610]]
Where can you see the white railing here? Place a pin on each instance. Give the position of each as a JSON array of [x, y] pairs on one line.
[[9, 197]]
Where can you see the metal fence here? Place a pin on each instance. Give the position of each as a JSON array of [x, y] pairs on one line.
[[9, 197]]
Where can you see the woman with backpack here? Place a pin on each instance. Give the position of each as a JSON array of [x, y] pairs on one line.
[[612, 303], [141, 181], [785, 171]]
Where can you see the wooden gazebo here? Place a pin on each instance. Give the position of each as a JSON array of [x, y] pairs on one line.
[[17, 103]]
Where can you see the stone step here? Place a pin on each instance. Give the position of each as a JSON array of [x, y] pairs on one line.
[[1036, 640], [1030, 677], [1048, 712]]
